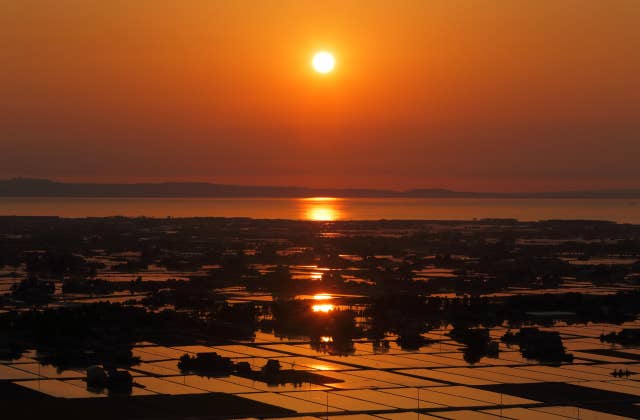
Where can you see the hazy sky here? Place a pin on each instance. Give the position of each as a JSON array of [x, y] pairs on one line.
[[464, 94]]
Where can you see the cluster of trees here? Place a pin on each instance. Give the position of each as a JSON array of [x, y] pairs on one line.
[[544, 346], [477, 341], [33, 290], [207, 364], [212, 364], [627, 336], [104, 333]]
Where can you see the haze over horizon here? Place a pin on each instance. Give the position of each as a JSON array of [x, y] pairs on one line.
[[469, 96]]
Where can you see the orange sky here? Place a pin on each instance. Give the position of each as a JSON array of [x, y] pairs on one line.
[[474, 94]]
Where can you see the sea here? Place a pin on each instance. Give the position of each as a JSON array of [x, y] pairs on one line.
[[329, 208]]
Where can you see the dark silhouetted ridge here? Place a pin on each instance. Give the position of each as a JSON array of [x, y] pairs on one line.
[[30, 187]]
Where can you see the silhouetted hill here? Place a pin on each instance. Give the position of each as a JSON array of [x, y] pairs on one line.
[[28, 187], [440, 193]]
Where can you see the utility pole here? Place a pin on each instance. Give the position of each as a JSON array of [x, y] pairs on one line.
[[327, 391]]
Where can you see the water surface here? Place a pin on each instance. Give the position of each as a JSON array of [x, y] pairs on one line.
[[327, 209]]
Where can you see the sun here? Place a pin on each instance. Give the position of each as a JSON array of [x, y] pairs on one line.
[[323, 62]]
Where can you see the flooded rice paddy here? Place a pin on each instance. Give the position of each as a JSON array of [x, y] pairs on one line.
[[434, 382]]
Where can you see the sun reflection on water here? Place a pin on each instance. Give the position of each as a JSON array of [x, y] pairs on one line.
[[321, 209]]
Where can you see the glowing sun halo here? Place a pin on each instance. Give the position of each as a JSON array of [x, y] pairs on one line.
[[323, 62]]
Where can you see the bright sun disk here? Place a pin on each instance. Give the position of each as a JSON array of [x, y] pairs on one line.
[[323, 62]]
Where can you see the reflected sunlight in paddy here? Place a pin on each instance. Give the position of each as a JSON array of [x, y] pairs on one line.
[[315, 276], [323, 307]]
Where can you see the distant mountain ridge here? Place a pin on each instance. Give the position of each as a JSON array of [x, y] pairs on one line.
[[31, 187]]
